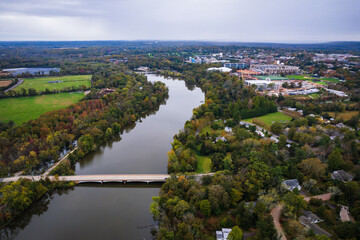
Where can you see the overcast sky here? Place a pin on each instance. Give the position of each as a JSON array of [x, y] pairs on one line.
[[220, 20]]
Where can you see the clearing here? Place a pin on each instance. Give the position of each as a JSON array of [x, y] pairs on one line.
[[204, 164], [347, 115], [42, 83], [270, 118], [22, 109], [4, 83]]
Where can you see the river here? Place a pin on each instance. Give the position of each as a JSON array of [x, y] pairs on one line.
[[115, 211]]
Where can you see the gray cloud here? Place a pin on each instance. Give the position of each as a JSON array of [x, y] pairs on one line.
[[229, 20]]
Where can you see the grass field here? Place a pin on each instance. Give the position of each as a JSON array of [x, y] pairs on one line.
[[268, 119], [330, 80], [319, 82], [347, 115], [204, 164], [40, 84], [300, 77], [315, 95], [23, 109], [271, 77]]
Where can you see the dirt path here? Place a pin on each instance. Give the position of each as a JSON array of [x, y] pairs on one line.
[[57, 163], [324, 197], [275, 213]]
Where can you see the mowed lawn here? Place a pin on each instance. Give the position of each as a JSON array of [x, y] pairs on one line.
[[23, 109], [41, 83], [300, 77], [204, 164], [270, 118]]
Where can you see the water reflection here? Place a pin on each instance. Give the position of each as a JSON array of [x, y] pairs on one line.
[[114, 211]]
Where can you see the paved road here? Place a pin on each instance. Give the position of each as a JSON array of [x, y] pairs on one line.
[[102, 178], [275, 213], [20, 81], [99, 178]]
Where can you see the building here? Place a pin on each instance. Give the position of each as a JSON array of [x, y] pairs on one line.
[[274, 69], [236, 65], [143, 69], [228, 129], [32, 71], [260, 133], [291, 184], [312, 225], [311, 217], [338, 93], [223, 234], [303, 92], [341, 175], [262, 84], [221, 69]]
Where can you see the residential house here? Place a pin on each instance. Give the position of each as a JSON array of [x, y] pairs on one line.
[[291, 184]]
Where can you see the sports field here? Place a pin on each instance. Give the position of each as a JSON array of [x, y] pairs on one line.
[[23, 109], [42, 83], [270, 118], [271, 78], [300, 77]]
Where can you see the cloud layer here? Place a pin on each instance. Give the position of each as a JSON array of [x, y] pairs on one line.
[[221, 20]]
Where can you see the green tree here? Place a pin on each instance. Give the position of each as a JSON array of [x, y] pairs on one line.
[[276, 128], [293, 203], [236, 234], [181, 208], [154, 207], [266, 229], [205, 207], [335, 160]]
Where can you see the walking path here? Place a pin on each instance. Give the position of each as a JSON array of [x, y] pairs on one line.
[[324, 197], [275, 213], [57, 163]]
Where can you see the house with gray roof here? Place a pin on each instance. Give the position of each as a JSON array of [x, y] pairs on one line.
[[291, 184], [341, 175]]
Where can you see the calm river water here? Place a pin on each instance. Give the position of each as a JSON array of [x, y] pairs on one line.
[[115, 211]]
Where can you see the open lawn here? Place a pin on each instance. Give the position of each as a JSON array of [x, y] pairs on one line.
[[23, 109], [270, 118], [41, 84], [319, 82], [330, 79], [315, 95], [347, 115], [204, 164], [307, 77], [300, 77]]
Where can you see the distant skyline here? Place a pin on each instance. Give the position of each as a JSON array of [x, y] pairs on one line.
[[283, 21]]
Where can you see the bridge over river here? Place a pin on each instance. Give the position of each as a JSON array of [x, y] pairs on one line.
[[121, 178]]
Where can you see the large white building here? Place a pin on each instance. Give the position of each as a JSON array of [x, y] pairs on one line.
[[272, 69], [221, 69], [262, 84]]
